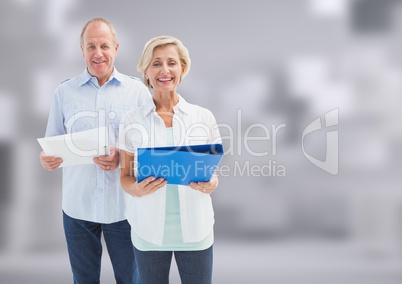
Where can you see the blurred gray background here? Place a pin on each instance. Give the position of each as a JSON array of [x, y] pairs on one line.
[[254, 63]]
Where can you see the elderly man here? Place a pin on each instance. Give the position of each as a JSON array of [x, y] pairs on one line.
[[93, 201]]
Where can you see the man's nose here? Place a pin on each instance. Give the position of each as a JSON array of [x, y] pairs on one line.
[[98, 52]]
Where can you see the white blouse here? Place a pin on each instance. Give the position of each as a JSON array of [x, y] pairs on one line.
[[143, 127]]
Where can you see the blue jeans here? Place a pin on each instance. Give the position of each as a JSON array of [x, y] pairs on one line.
[[195, 267], [85, 250]]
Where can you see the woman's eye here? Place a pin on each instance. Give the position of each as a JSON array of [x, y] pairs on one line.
[[155, 64]]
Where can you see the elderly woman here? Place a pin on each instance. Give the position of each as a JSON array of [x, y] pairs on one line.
[[167, 218]]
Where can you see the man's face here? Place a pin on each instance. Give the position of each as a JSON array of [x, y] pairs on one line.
[[99, 51]]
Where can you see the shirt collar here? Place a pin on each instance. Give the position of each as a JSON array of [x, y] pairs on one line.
[[85, 76], [182, 106]]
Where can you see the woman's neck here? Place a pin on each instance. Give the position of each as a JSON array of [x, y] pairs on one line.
[[165, 102]]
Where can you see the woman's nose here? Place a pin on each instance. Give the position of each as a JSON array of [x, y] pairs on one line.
[[165, 69]]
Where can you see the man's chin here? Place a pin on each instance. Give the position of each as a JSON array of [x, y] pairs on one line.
[[98, 72]]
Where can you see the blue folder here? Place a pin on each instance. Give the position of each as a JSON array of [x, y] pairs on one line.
[[179, 164]]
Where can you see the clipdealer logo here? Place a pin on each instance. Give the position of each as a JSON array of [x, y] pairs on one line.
[[331, 162], [270, 168], [273, 169]]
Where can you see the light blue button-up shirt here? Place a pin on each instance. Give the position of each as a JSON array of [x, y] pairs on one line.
[[90, 193]]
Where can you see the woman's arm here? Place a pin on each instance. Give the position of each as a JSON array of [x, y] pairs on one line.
[[127, 178], [129, 182]]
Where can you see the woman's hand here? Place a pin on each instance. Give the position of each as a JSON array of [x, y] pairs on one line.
[[147, 186], [206, 187]]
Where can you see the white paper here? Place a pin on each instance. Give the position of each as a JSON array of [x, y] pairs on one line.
[[77, 148]]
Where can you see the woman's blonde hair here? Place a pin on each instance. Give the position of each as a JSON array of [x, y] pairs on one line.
[[159, 41]]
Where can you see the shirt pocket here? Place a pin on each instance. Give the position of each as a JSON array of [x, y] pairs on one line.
[[140, 142], [131, 140], [116, 113], [114, 118], [198, 134], [78, 118]]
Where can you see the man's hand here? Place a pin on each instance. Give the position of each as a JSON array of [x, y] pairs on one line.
[[49, 163], [108, 162]]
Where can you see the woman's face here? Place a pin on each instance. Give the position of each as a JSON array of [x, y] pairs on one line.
[[165, 70]]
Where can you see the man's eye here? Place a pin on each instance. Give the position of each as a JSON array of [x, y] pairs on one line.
[[105, 47], [91, 47]]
